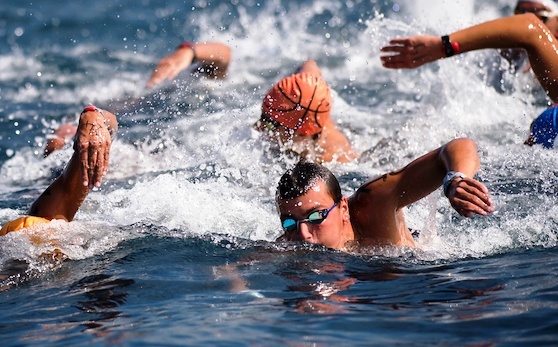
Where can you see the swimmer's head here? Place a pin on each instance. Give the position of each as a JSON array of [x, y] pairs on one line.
[[300, 102], [544, 129], [302, 177], [541, 8]]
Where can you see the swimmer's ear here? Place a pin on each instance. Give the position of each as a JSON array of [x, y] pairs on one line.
[[344, 206]]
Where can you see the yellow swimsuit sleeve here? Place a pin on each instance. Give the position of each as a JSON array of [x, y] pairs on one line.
[[20, 223]]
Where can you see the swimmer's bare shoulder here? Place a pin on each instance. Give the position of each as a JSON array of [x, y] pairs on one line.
[[374, 204], [379, 186]]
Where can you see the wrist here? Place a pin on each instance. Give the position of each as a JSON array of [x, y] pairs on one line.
[[190, 46], [449, 48], [449, 178], [91, 108], [92, 111], [96, 115]]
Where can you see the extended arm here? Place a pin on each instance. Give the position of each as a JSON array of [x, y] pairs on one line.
[[426, 173], [376, 209], [213, 57], [522, 31], [86, 168]]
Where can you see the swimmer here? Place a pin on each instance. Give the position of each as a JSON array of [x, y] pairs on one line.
[[296, 115], [524, 31], [295, 112], [210, 59], [85, 170], [545, 10], [312, 208]]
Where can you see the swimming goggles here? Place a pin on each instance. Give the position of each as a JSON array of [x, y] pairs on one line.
[[542, 14], [317, 217], [272, 124]]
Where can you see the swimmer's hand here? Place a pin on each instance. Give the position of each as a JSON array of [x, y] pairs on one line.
[[412, 52], [92, 144], [469, 196], [170, 66]]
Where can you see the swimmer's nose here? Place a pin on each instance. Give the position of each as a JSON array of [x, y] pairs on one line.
[[304, 232]]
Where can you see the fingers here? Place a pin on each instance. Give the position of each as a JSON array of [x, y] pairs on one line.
[[404, 54], [398, 45], [152, 82], [106, 157], [469, 196], [400, 61], [411, 52], [102, 167], [392, 49], [93, 146], [170, 66], [404, 57], [402, 41], [93, 163], [396, 48], [83, 148], [98, 161], [392, 63], [164, 71], [167, 69], [92, 168]]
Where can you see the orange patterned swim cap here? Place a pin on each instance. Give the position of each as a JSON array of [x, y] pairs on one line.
[[301, 102]]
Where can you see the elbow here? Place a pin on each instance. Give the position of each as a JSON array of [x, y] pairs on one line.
[[462, 150], [464, 142], [530, 19], [535, 29]]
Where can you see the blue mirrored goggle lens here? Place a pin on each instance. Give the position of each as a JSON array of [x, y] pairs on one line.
[[289, 224], [315, 217]]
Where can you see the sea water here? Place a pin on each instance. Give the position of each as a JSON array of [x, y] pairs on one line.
[[185, 221]]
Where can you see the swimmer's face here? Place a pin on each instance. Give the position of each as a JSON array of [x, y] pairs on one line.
[[552, 24], [535, 7], [330, 231], [280, 133]]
